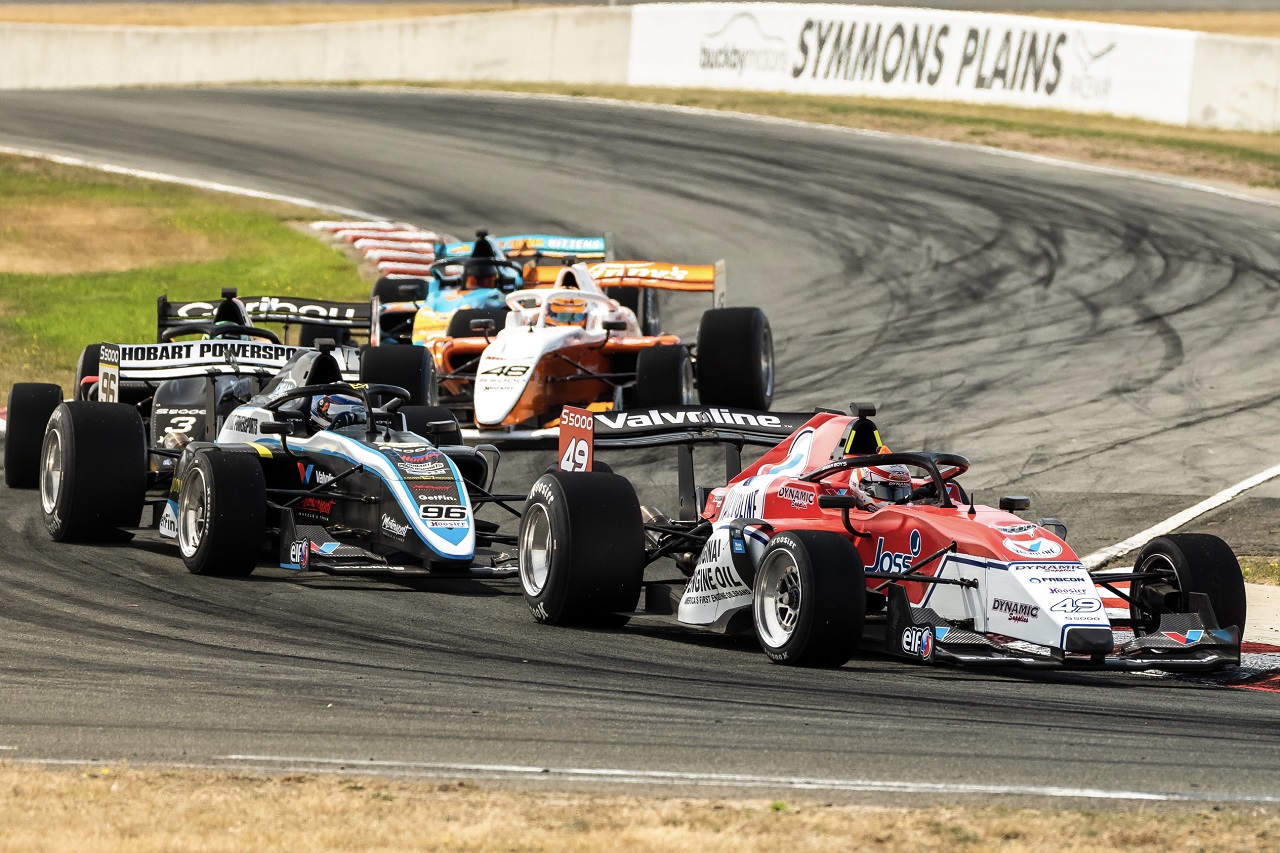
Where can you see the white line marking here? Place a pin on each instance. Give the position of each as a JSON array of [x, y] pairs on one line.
[[1098, 558], [67, 160], [723, 780]]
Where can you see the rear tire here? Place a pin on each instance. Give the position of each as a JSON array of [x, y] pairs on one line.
[[735, 359], [30, 405], [581, 548], [222, 514], [86, 368], [93, 470], [460, 322], [1192, 562], [410, 368], [664, 377], [397, 290], [824, 572], [419, 419], [309, 333]]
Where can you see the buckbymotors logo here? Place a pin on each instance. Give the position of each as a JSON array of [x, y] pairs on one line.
[[918, 641], [394, 529], [1016, 611], [742, 45], [1040, 547]]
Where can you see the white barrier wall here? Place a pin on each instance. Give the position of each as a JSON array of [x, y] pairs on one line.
[[1170, 76], [570, 45], [915, 53]]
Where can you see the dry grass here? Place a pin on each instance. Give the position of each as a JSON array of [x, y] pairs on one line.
[[124, 809], [232, 14], [1259, 24], [1261, 570], [1263, 24], [90, 235]]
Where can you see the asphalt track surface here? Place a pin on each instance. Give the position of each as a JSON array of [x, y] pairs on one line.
[[1105, 343]]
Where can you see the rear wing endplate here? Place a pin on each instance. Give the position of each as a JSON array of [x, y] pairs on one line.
[[270, 309]]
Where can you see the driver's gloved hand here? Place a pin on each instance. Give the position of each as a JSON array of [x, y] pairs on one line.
[[346, 419]]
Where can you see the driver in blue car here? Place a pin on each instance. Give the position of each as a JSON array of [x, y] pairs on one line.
[[335, 411]]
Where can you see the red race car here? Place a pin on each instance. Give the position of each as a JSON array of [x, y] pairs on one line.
[[829, 543]]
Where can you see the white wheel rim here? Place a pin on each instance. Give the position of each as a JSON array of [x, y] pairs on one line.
[[688, 391], [535, 549], [766, 363], [51, 471], [778, 598], [192, 512]]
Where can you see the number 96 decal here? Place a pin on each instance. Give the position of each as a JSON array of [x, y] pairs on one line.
[[445, 516]]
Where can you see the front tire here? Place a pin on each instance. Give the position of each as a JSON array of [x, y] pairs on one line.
[[30, 406], [1187, 562], [93, 470], [222, 514], [735, 359], [809, 599], [581, 549]]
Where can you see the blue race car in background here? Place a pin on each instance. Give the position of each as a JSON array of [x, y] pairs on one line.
[[469, 281]]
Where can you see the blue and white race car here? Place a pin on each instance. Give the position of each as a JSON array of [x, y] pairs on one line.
[[325, 464]]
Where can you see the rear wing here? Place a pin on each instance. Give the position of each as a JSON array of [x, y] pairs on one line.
[[674, 425], [686, 426], [538, 245], [156, 362], [658, 275], [270, 309]]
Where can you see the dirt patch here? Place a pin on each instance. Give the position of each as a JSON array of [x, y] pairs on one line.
[[1259, 24], [120, 808], [232, 14], [85, 236]]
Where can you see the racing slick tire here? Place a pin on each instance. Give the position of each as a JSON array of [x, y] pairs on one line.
[[426, 420], [581, 550], [93, 470], [410, 368], [664, 377], [460, 322], [222, 510], [394, 289], [309, 333], [1198, 562], [86, 368], [30, 405], [824, 571], [735, 359], [643, 302]]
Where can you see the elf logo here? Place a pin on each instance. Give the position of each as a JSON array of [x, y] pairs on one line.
[[918, 642]]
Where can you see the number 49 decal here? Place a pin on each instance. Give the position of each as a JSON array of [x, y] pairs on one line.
[[1077, 605]]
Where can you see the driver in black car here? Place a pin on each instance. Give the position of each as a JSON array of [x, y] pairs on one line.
[[335, 411]]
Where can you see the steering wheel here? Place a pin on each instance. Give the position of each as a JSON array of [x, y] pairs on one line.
[[364, 392], [217, 330]]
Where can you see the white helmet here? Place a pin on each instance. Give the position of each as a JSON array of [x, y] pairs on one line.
[[887, 483]]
